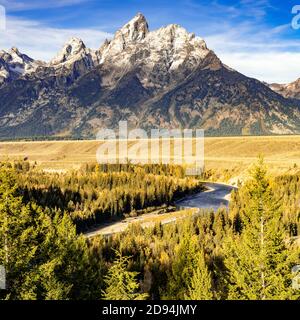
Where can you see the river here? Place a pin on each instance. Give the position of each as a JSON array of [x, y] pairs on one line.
[[217, 195]]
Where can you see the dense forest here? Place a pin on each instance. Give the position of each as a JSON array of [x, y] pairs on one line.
[[98, 193], [246, 252]]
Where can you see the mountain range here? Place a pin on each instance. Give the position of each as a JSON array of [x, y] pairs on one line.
[[166, 78]]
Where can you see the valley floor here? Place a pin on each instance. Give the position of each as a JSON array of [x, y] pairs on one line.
[[226, 158]]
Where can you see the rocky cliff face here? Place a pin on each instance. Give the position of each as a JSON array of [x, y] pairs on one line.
[[166, 78], [290, 90], [14, 65]]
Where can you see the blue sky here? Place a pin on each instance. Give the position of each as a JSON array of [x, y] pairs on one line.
[[254, 37]]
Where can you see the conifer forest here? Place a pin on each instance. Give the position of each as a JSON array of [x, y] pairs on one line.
[[245, 252]]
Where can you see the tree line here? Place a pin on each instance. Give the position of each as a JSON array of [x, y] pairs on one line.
[[98, 193]]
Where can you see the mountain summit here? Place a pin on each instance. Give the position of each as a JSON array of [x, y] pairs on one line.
[[14, 64], [71, 50], [165, 78], [135, 30]]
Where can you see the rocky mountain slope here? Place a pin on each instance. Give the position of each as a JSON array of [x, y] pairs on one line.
[[14, 64], [166, 78], [290, 90]]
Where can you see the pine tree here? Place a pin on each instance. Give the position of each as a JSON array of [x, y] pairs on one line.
[[122, 284], [17, 233], [184, 263], [64, 261], [257, 258], [201, 283], [43, 256]]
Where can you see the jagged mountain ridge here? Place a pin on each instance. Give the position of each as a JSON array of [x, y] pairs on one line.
[[14, 64], [290, 90], [166, 78]]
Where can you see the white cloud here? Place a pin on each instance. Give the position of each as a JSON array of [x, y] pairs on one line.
[[17, 5], [265, 54], [279, 67], [43, 42]]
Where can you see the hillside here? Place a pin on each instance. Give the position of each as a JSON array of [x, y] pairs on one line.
[[289, 90]]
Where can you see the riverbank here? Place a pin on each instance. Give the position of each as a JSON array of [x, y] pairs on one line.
[[216, 196]]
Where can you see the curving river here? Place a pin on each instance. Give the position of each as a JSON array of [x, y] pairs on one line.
[[217, 195]]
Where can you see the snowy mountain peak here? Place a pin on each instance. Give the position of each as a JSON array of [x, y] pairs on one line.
[[75, 44], [15, 50], [73, 48], [16, 57], [171, 46], [135, 30], [178, 35], [16, 64]]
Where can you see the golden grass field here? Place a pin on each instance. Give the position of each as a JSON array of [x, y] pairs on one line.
[[281, 153]]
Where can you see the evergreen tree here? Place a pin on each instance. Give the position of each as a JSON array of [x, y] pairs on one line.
[[43, 256], [184, 263], [64, 270], [17, 232], [201, 283], [122, 284], [257, 258]]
